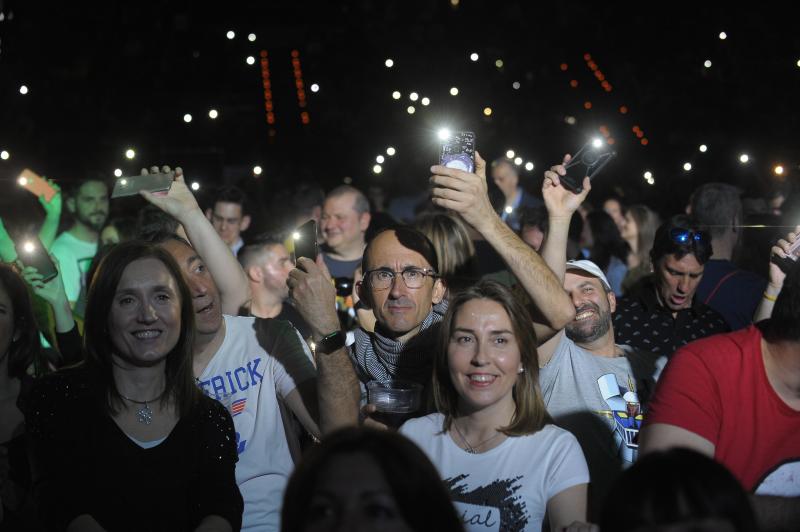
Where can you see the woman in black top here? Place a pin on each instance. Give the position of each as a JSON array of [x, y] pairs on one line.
[[126, 441]]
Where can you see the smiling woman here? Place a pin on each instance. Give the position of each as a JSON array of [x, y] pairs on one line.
[[130, 420], [492, 440]]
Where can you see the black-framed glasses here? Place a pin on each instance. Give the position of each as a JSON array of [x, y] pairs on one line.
[[382, 278], [686, 236]]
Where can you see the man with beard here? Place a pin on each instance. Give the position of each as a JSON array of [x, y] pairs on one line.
[[592, 387], [76, 247]]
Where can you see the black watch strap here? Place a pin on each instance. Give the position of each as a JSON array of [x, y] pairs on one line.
[[331, 342]]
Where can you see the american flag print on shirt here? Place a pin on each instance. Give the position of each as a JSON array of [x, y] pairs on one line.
[[237, 407]]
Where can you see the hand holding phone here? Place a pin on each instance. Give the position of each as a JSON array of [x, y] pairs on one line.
[[132, 185], [587, 162], [458, 151], [305, 241], [36, 184], [31, 252], [786, 263]]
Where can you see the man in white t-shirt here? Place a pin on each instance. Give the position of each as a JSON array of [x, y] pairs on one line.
[[237, 361], [592, 387], [76, 247]]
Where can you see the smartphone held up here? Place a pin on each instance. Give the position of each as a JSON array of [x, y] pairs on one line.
[[305, 241], [457, 150], [31, 252], [588, 161], [36, 184], [132, 185]]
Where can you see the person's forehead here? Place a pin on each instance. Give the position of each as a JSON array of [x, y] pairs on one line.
[[387, 252], [576, 278], [93, 188], [228, 209], [276, 252], [341, 202], [686, 264], [145, 272], [180, 251]]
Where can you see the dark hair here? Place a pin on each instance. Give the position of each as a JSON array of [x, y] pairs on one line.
[[360, 203], [307, 196], [784, 323], [606, 240], [530, 414], [534, 217], [665, 244], [25, 350], [152, 220], [422, 498], [505, 160], [410, 238], [717, 207], [231, 194], [74, 188], [674, 487], [180, 385]]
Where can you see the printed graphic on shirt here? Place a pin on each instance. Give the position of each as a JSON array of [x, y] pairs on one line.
[[493, 507], [626, 413], [782, 481]]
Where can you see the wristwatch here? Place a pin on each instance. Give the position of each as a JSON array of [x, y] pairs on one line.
[[331, 342]]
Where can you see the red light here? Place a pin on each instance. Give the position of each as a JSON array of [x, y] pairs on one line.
[[599, 75], [564, 66], [263, 53], [636, 128], [644, 142], [587, 57], [640, 133], [623, 110], [573, 83], [295, 53], [587, 105], [611, 141]]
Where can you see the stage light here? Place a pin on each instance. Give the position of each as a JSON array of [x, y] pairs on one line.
[[597, 143], [571, 120], [516, 85], [703, 148], [413, 96], [509, 209], [396, 95], [648, 175], [117, 173], [623, 109], [518, 161], [443, 133], [723, 35], [390, 151], [778, 170], [529, 166], [454, 91], [499, 63], [4, 155], [707, 63], [377, 169], [251, 60], [213, 114], [195, 185], [230, 35], [687, 166], [314, 87], [587, 105], [426, 101], [473, 56], [410, 109], [389, 63], [510, 154], [130, 153], [651, 182], [257, 170], [379, 159], [251, 37], [744, 158], [487, 111], [187, 118]]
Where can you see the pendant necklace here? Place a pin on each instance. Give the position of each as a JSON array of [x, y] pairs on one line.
[[473, 449], [143, 415]]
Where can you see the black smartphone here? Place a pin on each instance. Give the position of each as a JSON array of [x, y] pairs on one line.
[[587, 161], [305, 241], [458, 151], [786, 263], [130, 186], [31, 252]]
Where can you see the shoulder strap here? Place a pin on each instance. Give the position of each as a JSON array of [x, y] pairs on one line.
[[720, 283]]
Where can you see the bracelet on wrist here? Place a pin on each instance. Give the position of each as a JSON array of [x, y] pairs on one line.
[[769, 297]]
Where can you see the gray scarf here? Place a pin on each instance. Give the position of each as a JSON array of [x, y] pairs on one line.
[[378, 358]]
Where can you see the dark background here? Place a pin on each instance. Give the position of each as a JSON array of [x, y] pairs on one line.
[[107, 76]]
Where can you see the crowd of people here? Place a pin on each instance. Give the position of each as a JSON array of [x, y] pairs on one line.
[[185, 370]]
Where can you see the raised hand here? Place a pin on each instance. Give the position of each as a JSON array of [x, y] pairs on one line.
[[53, 207], [314, 294], [781, 249], [464, 192], [560, 202], [179, 201]]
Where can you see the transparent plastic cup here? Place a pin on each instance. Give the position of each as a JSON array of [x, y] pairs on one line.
[[395, 400]]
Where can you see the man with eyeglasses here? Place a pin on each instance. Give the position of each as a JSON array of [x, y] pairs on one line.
[[662, 312], [402, 287]]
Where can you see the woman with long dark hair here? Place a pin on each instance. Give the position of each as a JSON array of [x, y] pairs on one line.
[[126, 441]]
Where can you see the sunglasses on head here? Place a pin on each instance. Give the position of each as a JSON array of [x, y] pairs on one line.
[[686, 236]]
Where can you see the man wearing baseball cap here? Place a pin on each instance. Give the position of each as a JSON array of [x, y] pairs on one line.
[[592, 387]]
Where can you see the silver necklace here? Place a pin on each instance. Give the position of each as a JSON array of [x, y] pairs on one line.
[[143, 415], [473, 449]]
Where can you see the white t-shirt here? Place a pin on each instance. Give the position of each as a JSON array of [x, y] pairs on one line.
[[74, 258], [245, 378], [505, 488]]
